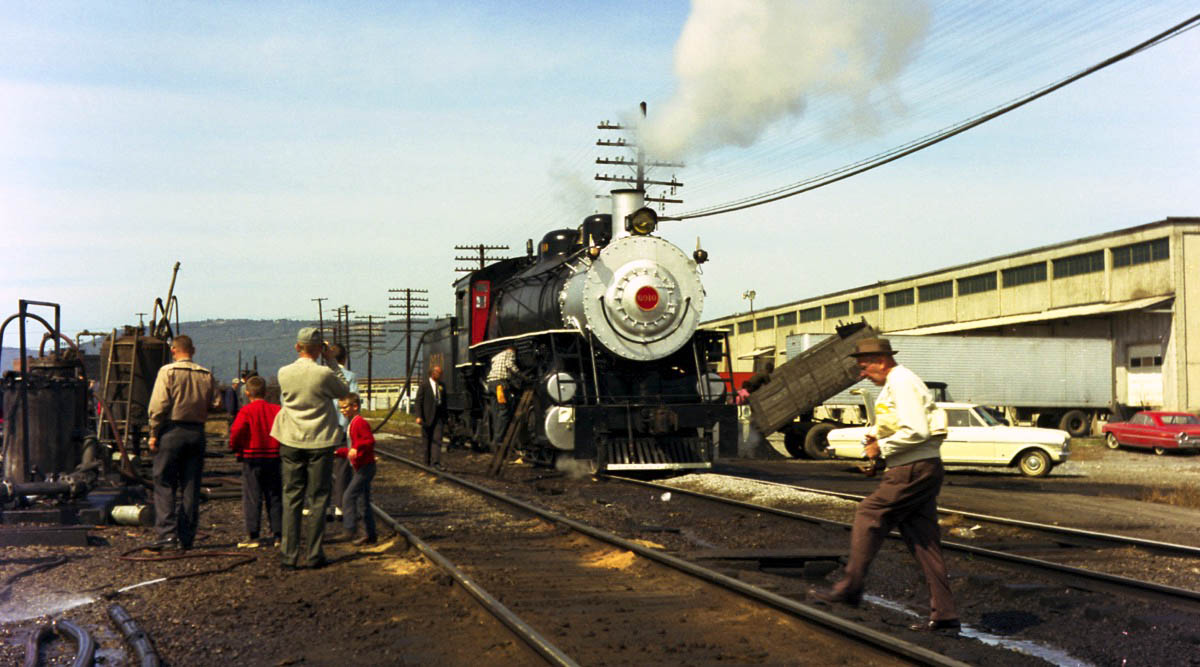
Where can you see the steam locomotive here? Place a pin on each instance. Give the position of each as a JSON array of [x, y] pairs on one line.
[[604, 320]]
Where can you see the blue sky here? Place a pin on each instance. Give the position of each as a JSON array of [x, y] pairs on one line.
[[285, 151]]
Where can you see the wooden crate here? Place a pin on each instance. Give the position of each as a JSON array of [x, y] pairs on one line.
[[806, 380]]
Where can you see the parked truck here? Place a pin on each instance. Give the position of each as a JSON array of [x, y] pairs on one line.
[[1062, 383]]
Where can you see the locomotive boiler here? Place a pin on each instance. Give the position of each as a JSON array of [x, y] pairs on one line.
[[604, 318]]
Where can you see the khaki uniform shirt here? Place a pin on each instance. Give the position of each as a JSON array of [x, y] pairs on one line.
[[183, 392]]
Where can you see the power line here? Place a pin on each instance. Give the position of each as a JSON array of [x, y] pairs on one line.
[[898, 152]]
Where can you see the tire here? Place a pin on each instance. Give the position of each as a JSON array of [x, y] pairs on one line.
[[1076, 422], [1034, 463], [793, 440], [1112, 442], [1159, 451], [816, 443]]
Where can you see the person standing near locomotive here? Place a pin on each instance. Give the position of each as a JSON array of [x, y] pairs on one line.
[[308, 433], [907, 434], [500, 391], [183, 393], [341, 469], [431, 415], [250, 438]]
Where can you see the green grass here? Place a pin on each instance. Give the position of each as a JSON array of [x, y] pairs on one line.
[[1088, 449], [401, 423]]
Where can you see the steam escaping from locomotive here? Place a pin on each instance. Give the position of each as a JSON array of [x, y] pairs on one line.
[[743, 66]]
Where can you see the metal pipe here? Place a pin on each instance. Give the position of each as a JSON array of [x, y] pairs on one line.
[[23, 391], [8, 490]]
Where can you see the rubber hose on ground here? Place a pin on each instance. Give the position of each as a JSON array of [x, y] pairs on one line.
[[137, 639], [85, 646]]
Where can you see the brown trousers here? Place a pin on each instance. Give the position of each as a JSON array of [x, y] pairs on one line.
[[906, 499]]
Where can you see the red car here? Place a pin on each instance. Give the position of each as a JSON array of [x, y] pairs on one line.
[[1161, 430]]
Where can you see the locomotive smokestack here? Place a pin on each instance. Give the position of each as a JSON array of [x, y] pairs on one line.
[[624, 202]]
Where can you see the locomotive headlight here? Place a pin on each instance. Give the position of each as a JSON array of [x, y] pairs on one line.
[[642, 222]]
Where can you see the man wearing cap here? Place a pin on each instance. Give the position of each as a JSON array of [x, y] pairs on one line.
[[308, 432], [907, 433], [183, 393]]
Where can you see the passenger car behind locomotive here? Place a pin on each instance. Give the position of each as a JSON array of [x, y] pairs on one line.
[[604, 319]]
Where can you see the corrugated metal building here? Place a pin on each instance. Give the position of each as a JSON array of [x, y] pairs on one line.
[[1139, 287]]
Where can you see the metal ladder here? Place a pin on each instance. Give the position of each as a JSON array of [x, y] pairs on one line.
[[120, 376]]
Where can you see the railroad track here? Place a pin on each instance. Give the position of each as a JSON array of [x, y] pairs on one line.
[[1072, 540], [537, 573], [1067, 534]]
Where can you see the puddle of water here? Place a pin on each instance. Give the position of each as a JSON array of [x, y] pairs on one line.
[[28, 610], [1054, 656]]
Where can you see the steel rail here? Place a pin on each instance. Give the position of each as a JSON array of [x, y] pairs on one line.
[[1108, 582], [853, 630], [1184, 549], [536, 641]]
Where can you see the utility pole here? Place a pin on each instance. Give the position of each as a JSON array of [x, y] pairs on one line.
[[341, 332], [408, 308], [368, 337], [320, 315], [483, 257], [639, 164]]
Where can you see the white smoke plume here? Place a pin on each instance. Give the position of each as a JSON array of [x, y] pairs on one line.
[[743, 65]]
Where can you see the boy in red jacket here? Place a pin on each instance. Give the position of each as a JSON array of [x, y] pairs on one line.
[[250, 438], [361, 454]]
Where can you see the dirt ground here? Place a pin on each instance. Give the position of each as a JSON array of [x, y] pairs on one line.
[[385, 605]]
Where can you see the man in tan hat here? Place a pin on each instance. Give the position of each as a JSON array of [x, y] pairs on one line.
[[907, 433], [308, 432]]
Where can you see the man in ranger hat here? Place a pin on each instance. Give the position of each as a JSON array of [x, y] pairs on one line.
[[308, 432], [907, 434]]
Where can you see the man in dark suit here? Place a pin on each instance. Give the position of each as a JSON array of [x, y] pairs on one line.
[[431, 415]]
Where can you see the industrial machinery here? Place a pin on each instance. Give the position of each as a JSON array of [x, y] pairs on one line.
[[604, 319], [59, 446], [50, 462]]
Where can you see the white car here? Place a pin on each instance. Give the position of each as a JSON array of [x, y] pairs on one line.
[[977, 438]]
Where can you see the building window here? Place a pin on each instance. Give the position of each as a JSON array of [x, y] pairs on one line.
[[1023, 275], [810, 314], [764, 323], [1141, 253], [785, 319], [983, 282], [837, 309], [1145, 362], [866, 304], [943, 290], [746, 326], [904, 297], [1075, 265]]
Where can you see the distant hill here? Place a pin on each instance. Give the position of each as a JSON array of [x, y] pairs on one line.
[[272, 342]]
